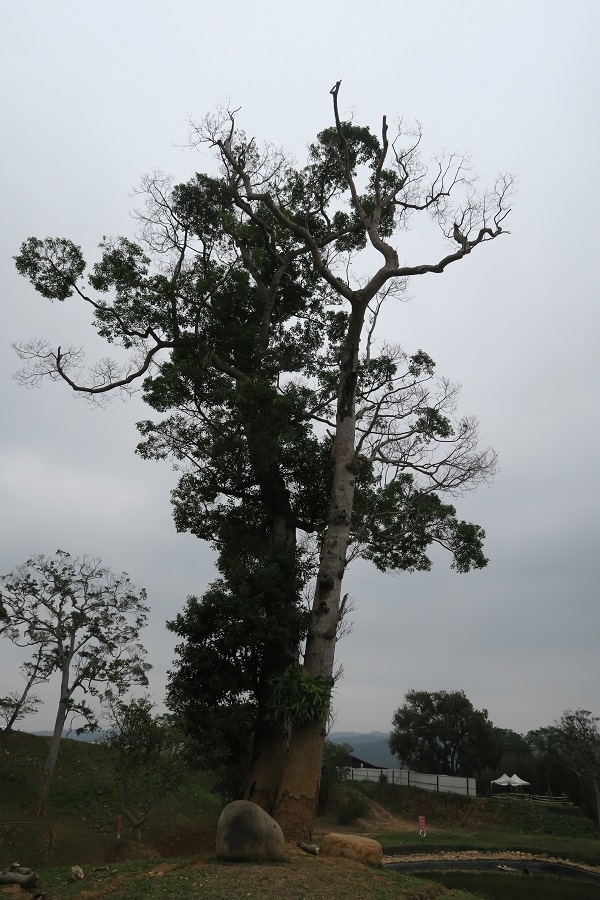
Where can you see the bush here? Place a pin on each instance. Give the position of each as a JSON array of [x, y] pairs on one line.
[[351, 808], [334, 772]]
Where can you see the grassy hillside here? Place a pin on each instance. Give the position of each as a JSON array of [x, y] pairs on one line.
[[177, 857], [80, 824], [479, 823]]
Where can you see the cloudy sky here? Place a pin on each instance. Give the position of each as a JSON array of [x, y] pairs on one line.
[[96, 95]]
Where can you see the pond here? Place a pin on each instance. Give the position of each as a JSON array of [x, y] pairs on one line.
[[486, 881]]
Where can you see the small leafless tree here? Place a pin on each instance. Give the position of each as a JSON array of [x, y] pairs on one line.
[[16, 706]]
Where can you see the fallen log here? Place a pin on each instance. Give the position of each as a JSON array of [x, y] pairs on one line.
[[308, 848]]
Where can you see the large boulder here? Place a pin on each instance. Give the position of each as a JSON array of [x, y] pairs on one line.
[[247, 832], [352, 846]]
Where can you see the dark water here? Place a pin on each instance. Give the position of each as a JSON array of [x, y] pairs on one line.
[[515, 887]]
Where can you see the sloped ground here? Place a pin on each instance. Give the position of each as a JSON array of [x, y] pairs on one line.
[[80, 830], [301, 877], [381, 819], [81, 822]]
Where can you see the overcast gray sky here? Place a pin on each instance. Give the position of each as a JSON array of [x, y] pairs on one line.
[[96, 95]]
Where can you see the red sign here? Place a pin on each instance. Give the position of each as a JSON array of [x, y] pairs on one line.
[[421, 821]]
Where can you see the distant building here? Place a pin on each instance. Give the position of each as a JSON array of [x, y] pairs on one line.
[[356, 763]]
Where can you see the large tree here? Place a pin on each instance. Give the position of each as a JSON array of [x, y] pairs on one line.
[[578, 742], [443, 733], [84, 622], [252, 322]]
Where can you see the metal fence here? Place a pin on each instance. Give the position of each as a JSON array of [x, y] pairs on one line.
[[445, 784], [536, 798]]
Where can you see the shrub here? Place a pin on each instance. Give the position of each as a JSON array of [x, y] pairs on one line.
[[352, 807], [334, 772]]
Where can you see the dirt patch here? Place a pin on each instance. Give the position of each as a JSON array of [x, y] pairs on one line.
[[92, 895], [127, 851], [157, 871], [380, 819], [187, 842]]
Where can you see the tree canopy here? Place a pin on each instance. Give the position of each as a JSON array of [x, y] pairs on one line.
[[16, 706], [578, 740], [150, 757], [442, 732], [83, 623], [303, 441]]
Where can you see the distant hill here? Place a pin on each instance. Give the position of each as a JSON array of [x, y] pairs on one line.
[[372, 747], [92, 738]]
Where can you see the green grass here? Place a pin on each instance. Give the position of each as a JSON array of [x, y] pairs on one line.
[[462, 823], [298, 878], [176, 859], [81, 816]]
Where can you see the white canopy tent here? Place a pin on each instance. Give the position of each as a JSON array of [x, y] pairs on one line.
[[503, 781], [515, 781], [511, 782]]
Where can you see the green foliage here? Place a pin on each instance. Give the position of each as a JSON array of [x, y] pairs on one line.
[[296, 697], [335, 771], [84, 621], [252, 338], [53, 266], [353, 806], [245, 629], [578, 739], [231, 303], [13, 707], [80, 821], [441, 732], [150, 757], [398, 524]]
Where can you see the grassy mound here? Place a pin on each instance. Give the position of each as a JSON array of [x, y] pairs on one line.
[[81, 821]]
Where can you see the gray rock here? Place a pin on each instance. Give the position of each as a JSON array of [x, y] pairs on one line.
[[247, 832]]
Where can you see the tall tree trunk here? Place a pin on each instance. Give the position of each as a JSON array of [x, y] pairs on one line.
[[264, 775], [297, 801], [296, 807], [38, 807], [596, 792], [136, 823]]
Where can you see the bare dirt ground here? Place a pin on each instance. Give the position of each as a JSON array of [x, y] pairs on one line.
[[379, 819]]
